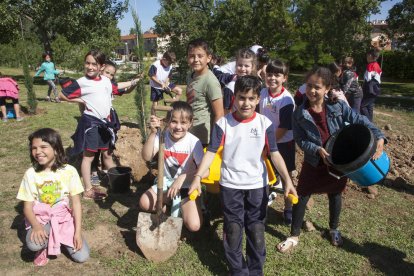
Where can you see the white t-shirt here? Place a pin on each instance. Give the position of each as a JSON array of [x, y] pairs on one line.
[[96, 93], [279, 110], [181, 157], [50, 187], [162, 73], [243, 143]]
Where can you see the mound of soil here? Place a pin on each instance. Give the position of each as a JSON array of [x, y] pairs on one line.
[[400, 150], [128, 151]]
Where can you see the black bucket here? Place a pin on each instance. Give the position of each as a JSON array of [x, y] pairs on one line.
[[351, 148], [119, 179]]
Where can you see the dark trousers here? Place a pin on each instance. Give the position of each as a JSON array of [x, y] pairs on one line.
[[335, 204], [244, 209], [354, 102], [367, 107]]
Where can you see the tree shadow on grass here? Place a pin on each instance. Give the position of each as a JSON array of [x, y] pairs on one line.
[[389, 261]]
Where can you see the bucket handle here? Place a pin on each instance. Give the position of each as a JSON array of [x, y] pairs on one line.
[[335, 175]]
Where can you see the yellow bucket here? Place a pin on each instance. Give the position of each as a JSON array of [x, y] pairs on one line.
[[212, 181]]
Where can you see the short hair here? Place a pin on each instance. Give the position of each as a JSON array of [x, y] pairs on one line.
[[170, 56], [373, 53], [52, 137], [246, 83], [348, 60], [183, 107], [97, 55], [277, 67], [45, 54], [111, 63], [199, 42]]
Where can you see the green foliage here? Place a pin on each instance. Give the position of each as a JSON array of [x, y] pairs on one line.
[[80, 21], [140, 94], [28, 82], [303, 32], [398, 64], [401, 24], [9, 23]]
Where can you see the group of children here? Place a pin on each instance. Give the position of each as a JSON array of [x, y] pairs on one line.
[[210, 118]]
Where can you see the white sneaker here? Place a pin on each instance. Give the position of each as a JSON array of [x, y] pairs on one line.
[[272, 197]]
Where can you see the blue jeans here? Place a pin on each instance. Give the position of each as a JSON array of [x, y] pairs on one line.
[[78, 256], [244, 210]]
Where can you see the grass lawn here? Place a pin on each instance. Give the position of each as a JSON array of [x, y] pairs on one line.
[[378, 234]]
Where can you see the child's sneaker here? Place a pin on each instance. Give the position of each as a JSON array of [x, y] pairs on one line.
[[272, 197], [41, 258], [94, 195], [4, 120], [57, 100], [47, 99], [19, 119], [336, 238]]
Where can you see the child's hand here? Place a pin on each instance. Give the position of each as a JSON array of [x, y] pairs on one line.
[[39, 235], [323, 154], [380, 149], [195, 185], [154, 123], [77, 241], [174, 190], [289, 188]]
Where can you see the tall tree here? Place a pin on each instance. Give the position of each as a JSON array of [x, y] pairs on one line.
[[78, 20], [401, 24]]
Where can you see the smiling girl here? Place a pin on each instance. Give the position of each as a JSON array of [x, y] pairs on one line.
[[182, 155], [96, 128], [46, 189]]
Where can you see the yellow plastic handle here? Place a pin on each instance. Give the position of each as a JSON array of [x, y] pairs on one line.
[[293, 198], [193, 195]]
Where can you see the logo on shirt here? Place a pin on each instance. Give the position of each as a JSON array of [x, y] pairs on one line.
[[254, 133]]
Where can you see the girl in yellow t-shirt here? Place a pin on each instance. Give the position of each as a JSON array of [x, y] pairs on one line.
[[46, 189]]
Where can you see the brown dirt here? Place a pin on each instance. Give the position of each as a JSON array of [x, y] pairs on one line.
[[128, 151]]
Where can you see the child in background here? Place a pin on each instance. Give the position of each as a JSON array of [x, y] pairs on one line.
[[350, 86], [300, 95], [49, 68], [243, 183], [9, 89], [182, 155], [371, 86], [47, 189], [277, 104], [160, 74], [336, 90], [245, 65], [203, 90], [96, 129], [313, 122], [262, 61]]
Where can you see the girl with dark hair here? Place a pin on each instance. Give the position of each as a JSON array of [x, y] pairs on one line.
[[96, 130], [46, 190], [50, 72]]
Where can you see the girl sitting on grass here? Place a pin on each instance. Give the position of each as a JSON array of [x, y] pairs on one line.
[[47, 189]]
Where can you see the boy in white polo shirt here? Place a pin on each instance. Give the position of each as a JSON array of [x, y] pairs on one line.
[[244, 134], [160, 74]]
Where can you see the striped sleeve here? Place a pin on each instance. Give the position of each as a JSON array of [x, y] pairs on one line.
[[115, 90], [73, 90]]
